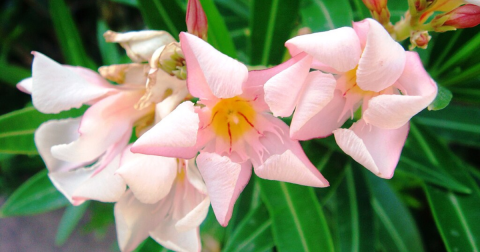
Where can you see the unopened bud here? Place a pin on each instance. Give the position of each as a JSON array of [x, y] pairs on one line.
[[196, 19], [419, 39], [172, 61], [465, 16], [375, 5], [379, 11]]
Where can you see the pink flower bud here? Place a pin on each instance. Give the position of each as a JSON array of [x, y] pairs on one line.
[[375, 5], [196, 19], [465, 16]]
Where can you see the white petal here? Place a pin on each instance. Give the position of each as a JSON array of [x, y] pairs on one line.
[[25, 85]]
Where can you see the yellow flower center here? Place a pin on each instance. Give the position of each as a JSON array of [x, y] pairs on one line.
[[352, 86], [232, 117]]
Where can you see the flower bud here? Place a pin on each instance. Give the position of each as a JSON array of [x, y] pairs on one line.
[[379, 11], [465, 16], [419, 39], [375, 5], [196, 19]]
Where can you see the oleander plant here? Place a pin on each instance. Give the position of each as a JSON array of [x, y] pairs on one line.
[[245, 125]]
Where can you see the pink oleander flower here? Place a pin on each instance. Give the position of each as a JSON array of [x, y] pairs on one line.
[[82, 154], [196, 19], [231, 127], [373, 72], [166, 200]]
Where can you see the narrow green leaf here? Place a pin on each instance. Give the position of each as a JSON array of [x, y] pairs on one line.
[[68, 36], [253, 232], [149, 245], [218, 34], [164, 15], [18, 128], [37, 195], [12, 74], [454, 213], [108, 51], [467, 95], [461, 55], [446, 48], [321, 15], [398, 231], [132, 3], [271, 24], [298, 223], [360, 11], [70, 219], [354, 214], [471, 73], [444, 96]]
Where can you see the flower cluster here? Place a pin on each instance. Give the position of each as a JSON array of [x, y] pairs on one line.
[[232, 126]]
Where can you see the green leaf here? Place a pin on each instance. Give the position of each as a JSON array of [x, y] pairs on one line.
[[18, 128], [164, 15], [12, 74], [354, 214], [108, 51], [271, 24], [298, 223], [398, 231], [455, 123], [218, 34], [462, 54], [467, 95], [253, 232], [326, 15], [444, 96], [360, 11], [465, 75], [132, 3], [37, 195], [148, 245], [455, 214], [68, 36], [70, 219]]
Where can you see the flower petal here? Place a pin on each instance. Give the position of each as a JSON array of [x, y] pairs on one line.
[[323, 123], [134, 220], [339, 48], [174, 136], [56, 88], [382, 61], [376, 149], [209, 68], [318, 92], [134, 73], [103, 125], [25, 85], [167, 235], [393, 111], [283, 89], [224, 180], [150, 178], [284, 159], [140, 45], [195, 217]]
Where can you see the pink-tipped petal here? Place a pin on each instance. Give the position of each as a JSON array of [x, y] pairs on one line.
[[148, 177], [324, 122], [339, 48], [103, 125], [222, 75], [25, 85], [283, 89], [56, 88], [376, 149], [174, 136], [382, 60], [393, 111], [103, 186], [318, 92], [224, 180], [285, 160], [133, 221]]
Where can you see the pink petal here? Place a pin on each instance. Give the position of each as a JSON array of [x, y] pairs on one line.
[[169, 237], [103, 125], [224, 180], [103, 186], [25, 85], [53, 133], [339, 48], [150, 178], [56, 88], [318, 92], [174, 136], [324, 122], [393, 111], [284, 159], [195, 217], [376, 149], [210, 69], [283, 89], [133, 221], [382, 61]]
